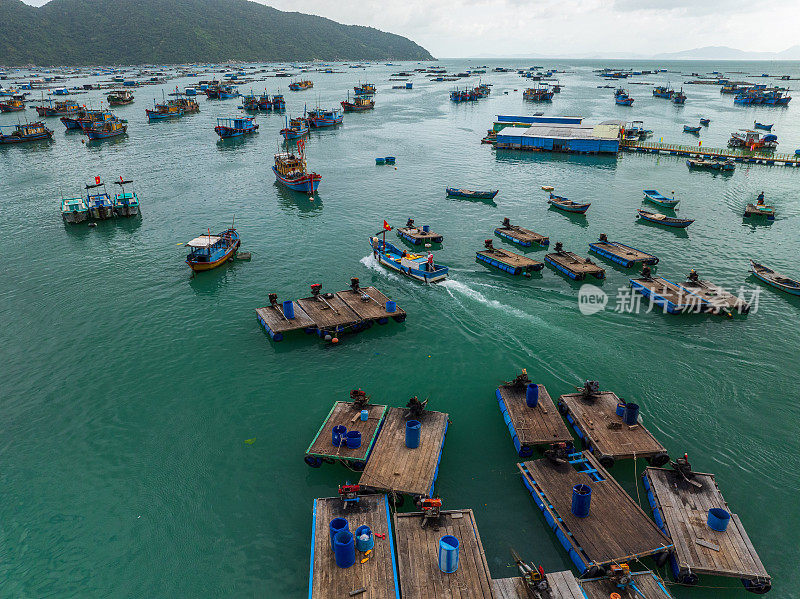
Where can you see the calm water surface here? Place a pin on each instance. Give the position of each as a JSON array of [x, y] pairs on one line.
[[129, 387]]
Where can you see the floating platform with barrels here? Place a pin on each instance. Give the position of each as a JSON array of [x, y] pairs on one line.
[[563, 585], [348, 433], [708, 539], [620, 253], [342, 562], [574, 266], [594, 519], [609, 427], [406, 455], [509, 262], [719, 299], [530, 415], [418, 235], [328, 314], [520, 235], [693, 295], [441, 556]]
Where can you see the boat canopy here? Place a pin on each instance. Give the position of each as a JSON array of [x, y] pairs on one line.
[[204, 241]]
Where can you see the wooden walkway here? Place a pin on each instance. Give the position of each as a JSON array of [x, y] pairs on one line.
[[418, 558], [563, 585], [648, 584], [606, 434], [681, 509], [343, 413], [394, 467], [616, 529], [378, 575], [743, 156], [531, 427]]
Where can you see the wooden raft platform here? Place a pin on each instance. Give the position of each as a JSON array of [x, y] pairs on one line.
[[648, 584], [671, 297], [574, 266], [520, 235], [345, 414], [681, 510], [718, 298], [510, 262], [417, 235], [616, 529], [370, 305], [620, 253], [563, 585], [418, 557], [767, 212], [394, 467], [378, 575], [531, 427], [605, 434]]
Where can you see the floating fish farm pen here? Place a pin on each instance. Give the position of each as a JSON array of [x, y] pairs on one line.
[[594, 519], [441, 557], [348, 433], [564, 585], [328, 314], [609, 427], [338, 563], [708, 539], [530, 415], [405, 458], [554, 135]]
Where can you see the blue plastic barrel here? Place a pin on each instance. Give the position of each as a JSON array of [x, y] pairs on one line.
[[448, 554], [390, 160], [361, 544], [426, 228], [353, 439], [344, 549], [391, 306], [532, 395], [380, 161], [339, 435], [336, 526], [620, 408], [413, 429], [718, 519], [288, 309], [364, 415], [581, 498], [631, 414]]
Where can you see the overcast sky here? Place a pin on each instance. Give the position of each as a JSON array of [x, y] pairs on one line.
[[456, 28]]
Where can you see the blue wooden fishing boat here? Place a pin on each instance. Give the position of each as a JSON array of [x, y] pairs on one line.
[[295, 129], [163, 111], [105, 129], [99, 203], [278, 102], [567, 205], [777, 280], [705, 122], [468, 193], [365, 89], [416, 266], [65, 108], [623, 100], [72, 121], [126, 203], [74, 210], [210, 251], [757, 125], [24, 132], [661, 219], [652, 195], [679, 97], [325, 118], [688, 129], [663, 91], [290, 170], [725, 166], [236, 127]]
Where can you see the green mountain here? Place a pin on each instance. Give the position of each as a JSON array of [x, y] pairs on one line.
[[88, 32]]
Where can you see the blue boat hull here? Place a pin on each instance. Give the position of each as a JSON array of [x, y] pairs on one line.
[[309, 183]]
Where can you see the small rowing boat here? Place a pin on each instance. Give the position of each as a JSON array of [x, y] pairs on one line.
[[662, 219], [474, 195], [716, 165], [566, 205], [770, 277], [416, 266], [652, 195], [209, 251], [688, 129], [705, 122], [757, 125]]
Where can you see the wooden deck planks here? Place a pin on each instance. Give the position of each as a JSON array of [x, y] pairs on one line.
[[522, 234], [563, 585], [344, 413], [377, 575], [624, 251], [338, 315], [419, 235], [594, 418], [372, 309], [684, 509], [648, 584], [671, 292], [509, 258], [393, 466], [576, 264], [541, 425], [418, 558], [276, 321], [616, 526]]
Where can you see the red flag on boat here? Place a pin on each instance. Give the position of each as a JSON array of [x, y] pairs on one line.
[[121, 180], [97, 180], [386, 226]]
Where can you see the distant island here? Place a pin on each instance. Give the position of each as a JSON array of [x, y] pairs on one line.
[[127, 32]]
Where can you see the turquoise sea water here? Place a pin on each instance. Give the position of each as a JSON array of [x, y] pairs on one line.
[[129, 387]]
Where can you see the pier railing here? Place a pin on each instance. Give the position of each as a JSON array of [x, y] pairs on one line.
[[737, 154]]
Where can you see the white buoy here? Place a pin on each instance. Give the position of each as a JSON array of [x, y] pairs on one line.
[[427, 245], [310, 198]]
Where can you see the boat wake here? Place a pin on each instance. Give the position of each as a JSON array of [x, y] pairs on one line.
[[453, 287], [371, 263]]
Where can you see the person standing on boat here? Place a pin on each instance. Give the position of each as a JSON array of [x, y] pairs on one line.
[[430, 262], [760, 199]]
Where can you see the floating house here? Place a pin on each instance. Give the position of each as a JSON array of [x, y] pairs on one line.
[[558, 134]]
